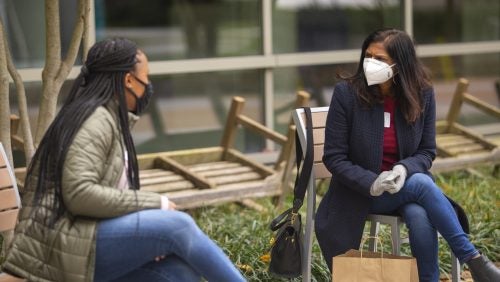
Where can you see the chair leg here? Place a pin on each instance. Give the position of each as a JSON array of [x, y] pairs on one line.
[[308, 238], [455, 268], [396, 239], [374, 228]]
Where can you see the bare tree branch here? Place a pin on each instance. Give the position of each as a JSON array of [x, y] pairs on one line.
[[76, 39], [56, 71], [86, 40], [29, 149], [4, 100], [46, 112], [52, 38], [54, 74]]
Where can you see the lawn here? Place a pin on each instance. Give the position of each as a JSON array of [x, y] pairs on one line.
[[244, 233]]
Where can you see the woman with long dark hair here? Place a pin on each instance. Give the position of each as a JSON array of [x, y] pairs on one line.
[[379, 146], [84, 217]]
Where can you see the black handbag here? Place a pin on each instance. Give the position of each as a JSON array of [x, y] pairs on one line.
[[287, 248]]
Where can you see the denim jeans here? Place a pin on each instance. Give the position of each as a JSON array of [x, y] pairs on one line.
[[126, 248], [425, 209]]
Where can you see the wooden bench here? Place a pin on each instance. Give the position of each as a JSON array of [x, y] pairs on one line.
[[204, 176], [10, 204], [319, 171], [16, 140], [461, 147]]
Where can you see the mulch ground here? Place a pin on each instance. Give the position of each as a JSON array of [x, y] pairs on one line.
[[465, 277]]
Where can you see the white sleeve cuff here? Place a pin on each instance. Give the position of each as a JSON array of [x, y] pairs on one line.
[[164, 203]]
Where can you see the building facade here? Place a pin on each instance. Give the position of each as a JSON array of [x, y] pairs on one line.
[[203, 52]]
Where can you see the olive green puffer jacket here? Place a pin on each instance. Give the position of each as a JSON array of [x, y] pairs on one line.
[[93, 166]]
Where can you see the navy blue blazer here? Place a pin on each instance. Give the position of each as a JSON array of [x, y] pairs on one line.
[[353, 154]]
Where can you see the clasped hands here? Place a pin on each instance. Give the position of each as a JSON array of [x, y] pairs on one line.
[[391, 181]]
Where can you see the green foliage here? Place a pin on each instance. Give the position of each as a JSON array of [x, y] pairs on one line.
[[479, 198], [243, 233]]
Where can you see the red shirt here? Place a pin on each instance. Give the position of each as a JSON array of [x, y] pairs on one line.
[[390, 146]]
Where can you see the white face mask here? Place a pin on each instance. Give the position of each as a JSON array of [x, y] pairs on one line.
[[377, 72]]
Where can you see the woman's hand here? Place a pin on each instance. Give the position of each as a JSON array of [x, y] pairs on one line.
[[398, 176], [171, 205], [380, 184], [166, 204]]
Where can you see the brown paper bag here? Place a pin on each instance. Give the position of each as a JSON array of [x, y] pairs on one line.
[[367, 266]]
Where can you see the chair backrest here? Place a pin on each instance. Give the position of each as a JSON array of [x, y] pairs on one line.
[[318, 122], [9, 195]]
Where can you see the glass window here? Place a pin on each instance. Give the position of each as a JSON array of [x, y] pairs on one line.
[[482, 71], [183, 29], [187, 110], [438, 21], [24, 22], [318, 81], [311, 25], [190, 111], [33, 97]]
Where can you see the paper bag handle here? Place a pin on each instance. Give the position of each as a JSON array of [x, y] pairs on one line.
[[377, 239]]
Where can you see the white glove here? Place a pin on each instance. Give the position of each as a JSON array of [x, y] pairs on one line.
[[380, 185], [397, 176]]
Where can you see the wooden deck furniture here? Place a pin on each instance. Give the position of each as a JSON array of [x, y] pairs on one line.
[[198, 177], [16, 140], [461, 147], [10, 203]]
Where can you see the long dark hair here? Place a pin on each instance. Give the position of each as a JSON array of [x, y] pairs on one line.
[[411, 77], [101, 80]]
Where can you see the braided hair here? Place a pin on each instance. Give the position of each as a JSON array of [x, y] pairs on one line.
[[101, 79]]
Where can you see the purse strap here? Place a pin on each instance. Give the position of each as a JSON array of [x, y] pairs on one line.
[[277, 222], [303, 177]]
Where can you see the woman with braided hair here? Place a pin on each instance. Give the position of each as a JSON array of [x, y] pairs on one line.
[[84, 217]]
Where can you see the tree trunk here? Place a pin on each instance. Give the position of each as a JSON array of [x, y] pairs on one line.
[[53, 76], [56, 70], [29, 149], [86, 40], [4, 101], [52, 63]]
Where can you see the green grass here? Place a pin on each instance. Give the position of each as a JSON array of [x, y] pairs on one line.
[[243, 233]]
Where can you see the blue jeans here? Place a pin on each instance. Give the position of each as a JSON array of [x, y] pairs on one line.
[[126, 248], [425, 209]]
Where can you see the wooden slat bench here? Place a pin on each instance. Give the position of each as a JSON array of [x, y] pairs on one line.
[[10, 204], [205, 176], [198, 177], [461, 147]]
